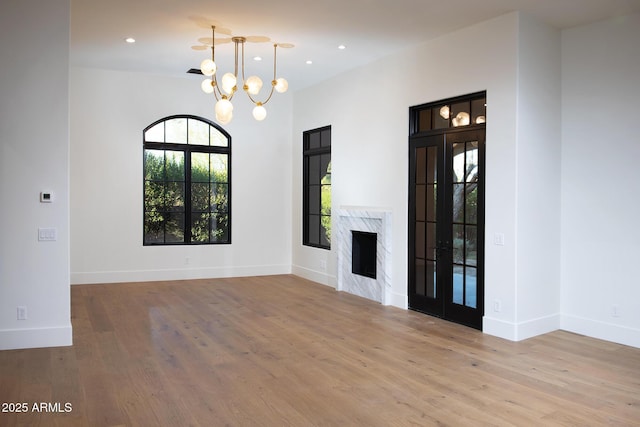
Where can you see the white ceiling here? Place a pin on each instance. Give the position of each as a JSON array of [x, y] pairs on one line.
[[167, 30]]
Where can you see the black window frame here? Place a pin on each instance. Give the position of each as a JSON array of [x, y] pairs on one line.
[[316, 143], [187, 149]]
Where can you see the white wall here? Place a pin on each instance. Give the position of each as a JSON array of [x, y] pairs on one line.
[[600, 184], [538, 180], [34, 157], [109, 110], [368, 111]]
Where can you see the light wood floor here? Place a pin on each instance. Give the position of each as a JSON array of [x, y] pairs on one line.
[[283, 351]]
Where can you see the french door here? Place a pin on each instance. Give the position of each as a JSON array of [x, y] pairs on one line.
[[446, 224]]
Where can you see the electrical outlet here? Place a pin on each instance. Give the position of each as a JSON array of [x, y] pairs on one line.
[[497, 306], [323, 265], [615, 310], [22, 312]]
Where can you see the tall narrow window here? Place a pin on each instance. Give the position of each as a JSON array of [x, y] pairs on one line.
[[187, 182], [317, 188]]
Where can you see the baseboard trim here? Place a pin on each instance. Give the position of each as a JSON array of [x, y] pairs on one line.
[[523, 330], [95, 277], [315, 276], [14, 339], [601, 330]]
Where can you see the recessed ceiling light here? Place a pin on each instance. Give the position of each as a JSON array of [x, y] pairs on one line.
[[130, 40], [257, 58], [309, 62], [342, 47]]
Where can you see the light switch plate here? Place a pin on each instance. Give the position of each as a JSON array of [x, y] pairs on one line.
[[47, 234]]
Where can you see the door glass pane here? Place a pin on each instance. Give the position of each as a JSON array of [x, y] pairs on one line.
[[471, 287], [421, 203], [471, 210], [421, 165], [431, 241], [421, 275], [471, 245], [458, 243], [420, 240], [458, 284], [431, 202], [432, 165], [458, 202], [431, 279], [471, 162], [458, 162]]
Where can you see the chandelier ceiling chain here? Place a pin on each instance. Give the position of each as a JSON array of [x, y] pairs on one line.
[[228, 86]]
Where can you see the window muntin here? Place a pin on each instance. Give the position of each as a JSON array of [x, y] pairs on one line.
[[187, 185], [317, 188]]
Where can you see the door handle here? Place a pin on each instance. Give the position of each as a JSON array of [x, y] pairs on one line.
[[442, 247]]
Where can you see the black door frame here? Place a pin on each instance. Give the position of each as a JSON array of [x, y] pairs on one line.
[[442, 305]]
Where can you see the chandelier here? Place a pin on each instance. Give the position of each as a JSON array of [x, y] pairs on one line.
[[225, 88]]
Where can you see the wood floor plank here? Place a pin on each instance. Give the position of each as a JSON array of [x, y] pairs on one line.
[[280, 350]]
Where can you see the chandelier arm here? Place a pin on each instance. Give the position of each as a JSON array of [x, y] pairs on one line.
[[213, 43], [242, 62], [275, 59], [263, 102]]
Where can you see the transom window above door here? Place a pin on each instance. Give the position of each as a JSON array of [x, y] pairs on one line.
[[455, 114]]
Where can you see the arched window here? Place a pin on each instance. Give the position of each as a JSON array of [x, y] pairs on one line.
[[187, 182]]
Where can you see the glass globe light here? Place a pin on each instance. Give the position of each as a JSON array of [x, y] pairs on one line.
[[208, 67], [207, 86], [228, 82], [259, 112], [281, 85], [224, 111], [444, 112], [461, 119], [253, 85]]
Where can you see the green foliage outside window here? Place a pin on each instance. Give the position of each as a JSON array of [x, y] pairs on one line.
[[186, 186]]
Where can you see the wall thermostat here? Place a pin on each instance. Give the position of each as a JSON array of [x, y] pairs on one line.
[[46, 197]]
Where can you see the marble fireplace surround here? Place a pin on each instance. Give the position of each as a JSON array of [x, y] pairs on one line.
[[371, 220]]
